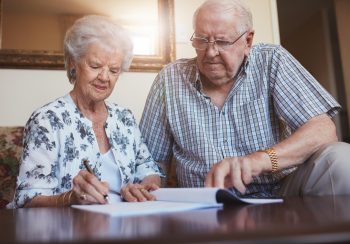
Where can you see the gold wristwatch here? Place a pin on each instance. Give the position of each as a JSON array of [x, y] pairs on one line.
[[273, 157]]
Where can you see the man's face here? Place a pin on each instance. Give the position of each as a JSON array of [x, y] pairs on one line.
[[219, 65]]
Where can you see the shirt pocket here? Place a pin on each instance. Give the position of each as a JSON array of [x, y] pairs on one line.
[[252, 127]]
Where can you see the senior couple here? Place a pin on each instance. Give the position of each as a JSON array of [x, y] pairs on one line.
[[239, 116]]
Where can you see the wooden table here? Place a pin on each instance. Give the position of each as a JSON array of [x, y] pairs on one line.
[[298, 220]]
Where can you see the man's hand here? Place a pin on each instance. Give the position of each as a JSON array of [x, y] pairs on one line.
[[238, 172]]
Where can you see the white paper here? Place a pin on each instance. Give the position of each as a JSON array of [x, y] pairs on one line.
[[260, 200], [203, 195], [172, 200], [198, 195], [141, 208]]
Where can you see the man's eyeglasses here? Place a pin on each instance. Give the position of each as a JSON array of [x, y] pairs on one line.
[[202, 43]]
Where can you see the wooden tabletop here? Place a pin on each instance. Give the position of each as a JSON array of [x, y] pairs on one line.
[[309, 219]]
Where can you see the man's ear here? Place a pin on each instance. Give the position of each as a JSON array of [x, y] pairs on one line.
[[249, 38], [249, 41]]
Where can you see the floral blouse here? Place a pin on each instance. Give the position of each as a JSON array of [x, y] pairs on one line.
[[58, 138]]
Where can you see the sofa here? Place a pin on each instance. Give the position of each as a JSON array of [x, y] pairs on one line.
[[10, 152]]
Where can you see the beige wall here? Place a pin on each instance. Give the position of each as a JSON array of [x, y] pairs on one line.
[[22, 91], [342, 8]]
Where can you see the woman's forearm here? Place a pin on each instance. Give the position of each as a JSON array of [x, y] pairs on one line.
[[151, 179], [61, 200]]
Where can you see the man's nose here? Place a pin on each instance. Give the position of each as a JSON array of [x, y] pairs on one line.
[[212, 50]]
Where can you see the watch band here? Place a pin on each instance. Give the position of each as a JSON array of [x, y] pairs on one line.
[[273, 158]]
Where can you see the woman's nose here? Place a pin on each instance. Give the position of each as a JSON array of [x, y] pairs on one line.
[[103, 74]]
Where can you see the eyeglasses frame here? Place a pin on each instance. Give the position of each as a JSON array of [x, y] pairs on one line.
[[219, 48]]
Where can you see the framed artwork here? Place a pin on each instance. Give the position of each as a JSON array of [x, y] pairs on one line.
[[32, 32]]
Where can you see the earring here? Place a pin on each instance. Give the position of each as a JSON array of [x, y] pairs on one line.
[[73, 75], [72, 72]]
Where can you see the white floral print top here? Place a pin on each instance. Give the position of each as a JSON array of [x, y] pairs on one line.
[[57, 138]]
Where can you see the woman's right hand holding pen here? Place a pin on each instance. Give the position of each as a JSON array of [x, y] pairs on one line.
[[87, 189]]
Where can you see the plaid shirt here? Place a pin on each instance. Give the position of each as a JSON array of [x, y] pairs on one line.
[[273, 96]]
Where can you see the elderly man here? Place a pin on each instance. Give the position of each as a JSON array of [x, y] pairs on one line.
[[243, 116]]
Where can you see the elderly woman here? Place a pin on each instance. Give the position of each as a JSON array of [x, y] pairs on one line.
[[82, 126]]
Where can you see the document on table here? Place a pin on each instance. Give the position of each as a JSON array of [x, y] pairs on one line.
[[177, 199], [142, 208], [208, 195]]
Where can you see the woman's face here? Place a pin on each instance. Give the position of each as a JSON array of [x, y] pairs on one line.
[[97, 73]]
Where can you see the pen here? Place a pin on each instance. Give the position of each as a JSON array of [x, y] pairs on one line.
[[88, 168]]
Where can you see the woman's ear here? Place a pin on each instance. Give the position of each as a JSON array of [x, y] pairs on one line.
[[72, 64], [72, 72]]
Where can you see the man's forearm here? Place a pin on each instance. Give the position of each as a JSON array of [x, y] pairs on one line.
[[317, 132]]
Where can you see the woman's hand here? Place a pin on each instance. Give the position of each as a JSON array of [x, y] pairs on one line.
[[138, 192], [141, 192], [87, 189]]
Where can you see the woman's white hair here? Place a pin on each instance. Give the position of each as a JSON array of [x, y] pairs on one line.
[[237, 7], [95, 29]]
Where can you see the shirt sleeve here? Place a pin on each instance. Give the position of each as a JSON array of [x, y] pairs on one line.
[[154, 124], [38, 166], [145, 165], [297, 95]]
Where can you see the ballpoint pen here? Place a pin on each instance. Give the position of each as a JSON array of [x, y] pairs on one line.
[[88, 168]]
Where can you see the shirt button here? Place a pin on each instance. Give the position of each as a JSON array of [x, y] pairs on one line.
[[225, 140], [223, 113]]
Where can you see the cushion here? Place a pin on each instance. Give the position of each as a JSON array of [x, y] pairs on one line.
[[10, 152]]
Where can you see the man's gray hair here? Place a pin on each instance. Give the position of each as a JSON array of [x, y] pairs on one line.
[[95, 29], [238, 8]]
